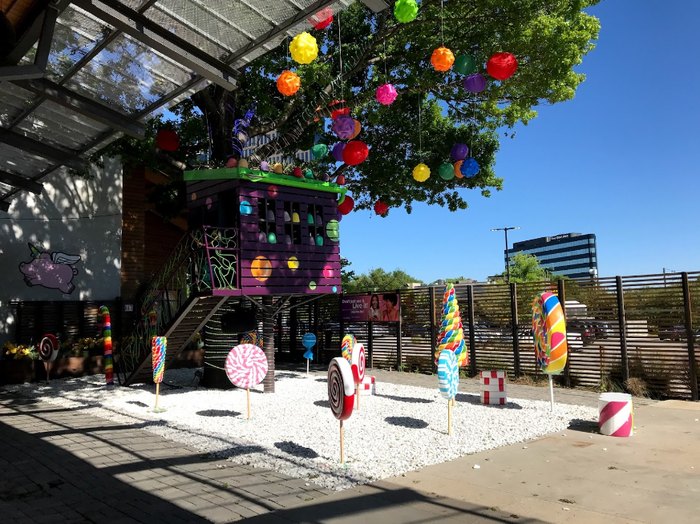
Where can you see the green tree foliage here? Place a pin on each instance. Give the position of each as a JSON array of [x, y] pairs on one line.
[[526, 268], [549, 38], [379, 280]]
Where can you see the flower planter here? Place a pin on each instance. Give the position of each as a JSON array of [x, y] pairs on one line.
[[16, 371]]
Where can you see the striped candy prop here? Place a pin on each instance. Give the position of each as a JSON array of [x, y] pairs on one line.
[[107, 342], [346, 346], [369, 384], [159, 347], [549, 332], [615, 414], [448, 381], [451, 335], [341, 393], [493, 388], [48, 351], [246, 366], [357, 365]]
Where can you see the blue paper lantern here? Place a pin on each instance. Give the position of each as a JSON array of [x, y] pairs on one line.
[[470, 167]]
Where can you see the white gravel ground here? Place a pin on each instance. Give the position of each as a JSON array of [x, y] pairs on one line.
[[293, 431]]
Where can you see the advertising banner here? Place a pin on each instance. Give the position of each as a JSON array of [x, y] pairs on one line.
[[375, 307]]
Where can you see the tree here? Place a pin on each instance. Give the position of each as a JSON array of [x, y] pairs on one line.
[[379, 280], [526, 268], [549, 38]]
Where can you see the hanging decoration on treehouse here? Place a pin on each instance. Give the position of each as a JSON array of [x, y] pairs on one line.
[[442, 59], [167, 140], [465, 64], [288, 83], [405, 11], [303, 48], [346, 205], [502, 66], [470, 167], [338, 151], [356, 131], [381, 208], [386, 94], [322, 19], [458, 169], [421, 173], [337, 113], [355, 152], [459, 152]]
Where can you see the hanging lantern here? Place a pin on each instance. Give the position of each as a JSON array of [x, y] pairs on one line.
[[278, 168], [340, 112], [308, 173], [319, 151], [386, 94], [243, 163], [303, 48], [381, 208], [446, 171], [465, 65], [297, 172], [502, 66], [459, 152], [340, 180], [232, 162], [457, 169], [264, 166], [405, 10], [338, 151], [357, 130], [355, 153], [442, 59], [346, 205], [288, 83], [470, 167], [475, 83], [167, 140], [322, 19], [344, 127], [421, 173]]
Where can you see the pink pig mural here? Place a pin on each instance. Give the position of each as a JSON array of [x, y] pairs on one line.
[[50, 270]]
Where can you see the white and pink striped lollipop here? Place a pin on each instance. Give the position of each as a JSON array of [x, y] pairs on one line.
[[246, 366], [358, 363]]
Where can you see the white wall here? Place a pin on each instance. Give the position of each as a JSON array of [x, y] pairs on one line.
[[74, 216]]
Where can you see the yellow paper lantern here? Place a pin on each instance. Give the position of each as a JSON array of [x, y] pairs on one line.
[[442, 59], [278, 168], [421, 173], [288, 83], [303, 48]]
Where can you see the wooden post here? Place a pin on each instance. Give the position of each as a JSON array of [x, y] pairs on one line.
[[561, 294], [342, 443], [357, 394], [433, 334], [157, 394], [690, 336], [472, 335], [551, 393], [449, 416], [399, 355], [269, 344], [622, 323], [247, 396], [514, 324], [370, 342]]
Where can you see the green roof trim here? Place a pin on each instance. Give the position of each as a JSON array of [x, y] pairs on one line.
[[255, 175]]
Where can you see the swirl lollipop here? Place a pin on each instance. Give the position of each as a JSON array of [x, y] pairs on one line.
[[308, 341], [448, 381], [549, 331], [346, 346], [48, 351], [357, 364], [341, 393], [246, 366]]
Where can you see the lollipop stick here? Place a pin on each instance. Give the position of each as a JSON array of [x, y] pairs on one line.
[[551, 393], [307, 366], [449, 417], [46, 366], [342, 439], [247, 394], [157, 393]]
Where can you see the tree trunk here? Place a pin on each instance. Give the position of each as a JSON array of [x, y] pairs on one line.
[[219, 109], [269, 344]]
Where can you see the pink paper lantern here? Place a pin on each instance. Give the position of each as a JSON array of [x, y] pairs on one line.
[[386, 94]]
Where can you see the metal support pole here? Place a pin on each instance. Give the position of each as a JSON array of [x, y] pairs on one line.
[[622, 322], [399, 355], [514, 324], [692, 364]]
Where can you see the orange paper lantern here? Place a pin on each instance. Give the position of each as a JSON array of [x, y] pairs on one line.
[[288, 83], [458, 169], [442, 59]]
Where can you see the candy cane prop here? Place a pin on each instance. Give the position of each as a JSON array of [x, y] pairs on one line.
[[246, 366], [107, 342], [159, 348]]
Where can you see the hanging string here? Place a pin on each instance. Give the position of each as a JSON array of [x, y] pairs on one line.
[[340, 48], [442, 22], [386, 74], [420, 131]]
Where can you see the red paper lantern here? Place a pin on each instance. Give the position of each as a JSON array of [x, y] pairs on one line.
[[355, 153], [340, 180], [297, 172], [322, 19], [346, 205], [167, 140], [381, 208], [501, 66], [340, 112]]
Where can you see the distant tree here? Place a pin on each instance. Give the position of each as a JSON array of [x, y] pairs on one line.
[[526, 268], [380, 280], [346, 275]]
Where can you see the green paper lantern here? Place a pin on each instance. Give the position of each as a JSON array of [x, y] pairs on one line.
[[465, 65], [333, 230], [308, 173], [319, 151], [405, 10], [446, 171]]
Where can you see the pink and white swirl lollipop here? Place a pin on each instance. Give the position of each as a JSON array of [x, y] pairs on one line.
[[358, 363], [246, 366]]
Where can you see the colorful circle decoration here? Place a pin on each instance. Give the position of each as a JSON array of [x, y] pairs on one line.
[[549, 331], [357, 364], [446, 171], [333, 230], [319, 151], [346, 346], [48, 348], [328, 271], [322, 19], [246, 366], [448, 374], [167, 140], [475, 83], [303, 48], [502, 66], [465, 65], [312, 285], [381, 208], [308, 341], [272, 191], [246, 208], [288, 83], [334, 289], [470, 167], [159, 349], [293, 263], [346, 205], [341, 388], [338, 151], [442, 59], [344, 127], [405, 10], [355, 153], [421, 173], [459, 152], [261, 268], [386, 94]]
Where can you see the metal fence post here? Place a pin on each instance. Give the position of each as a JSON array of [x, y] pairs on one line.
[[514, 324], [370, 338], [561, 293], [399, 356], [472, 335], [622, 322], [433, 335], [692, 369]]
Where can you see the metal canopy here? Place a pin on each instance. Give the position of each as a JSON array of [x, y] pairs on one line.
[[86, 72]]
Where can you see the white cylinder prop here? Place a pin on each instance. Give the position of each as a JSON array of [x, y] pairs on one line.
[[615, 414]]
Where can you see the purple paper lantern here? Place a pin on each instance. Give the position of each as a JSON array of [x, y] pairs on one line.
[[459, 152], [475, 83], [264, 166], [344, 127], [338, 150], [470, 167], [386, 94]]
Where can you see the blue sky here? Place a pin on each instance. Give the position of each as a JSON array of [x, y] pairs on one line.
[[620, 160]]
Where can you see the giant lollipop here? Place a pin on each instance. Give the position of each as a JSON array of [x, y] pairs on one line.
[[341, 394], [308, 341], [448, 381], [246, 366], [159, 348], [48, 351], [346, 346], [549, 332], [357, 364], [451, 335]]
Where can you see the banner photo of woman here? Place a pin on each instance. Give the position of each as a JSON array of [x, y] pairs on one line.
[[375, 307]]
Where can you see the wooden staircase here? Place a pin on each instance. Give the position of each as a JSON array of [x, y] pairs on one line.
[[189, 320]]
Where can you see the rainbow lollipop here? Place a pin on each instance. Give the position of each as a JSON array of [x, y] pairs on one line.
[[107, 342], [549, 332]]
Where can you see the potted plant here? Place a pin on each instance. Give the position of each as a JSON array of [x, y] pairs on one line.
[[17, 363]]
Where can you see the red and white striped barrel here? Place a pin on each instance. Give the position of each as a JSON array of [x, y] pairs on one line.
[[369, 384], [493, 387], [615, 414]]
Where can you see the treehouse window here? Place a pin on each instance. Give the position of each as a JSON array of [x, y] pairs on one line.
[[266, 221], [292, 223], [314, 219]]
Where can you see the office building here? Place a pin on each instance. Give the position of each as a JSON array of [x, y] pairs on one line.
[[570, 255]]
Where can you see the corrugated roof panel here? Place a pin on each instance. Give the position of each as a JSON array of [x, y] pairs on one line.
[[14, 100], [17, 161]]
